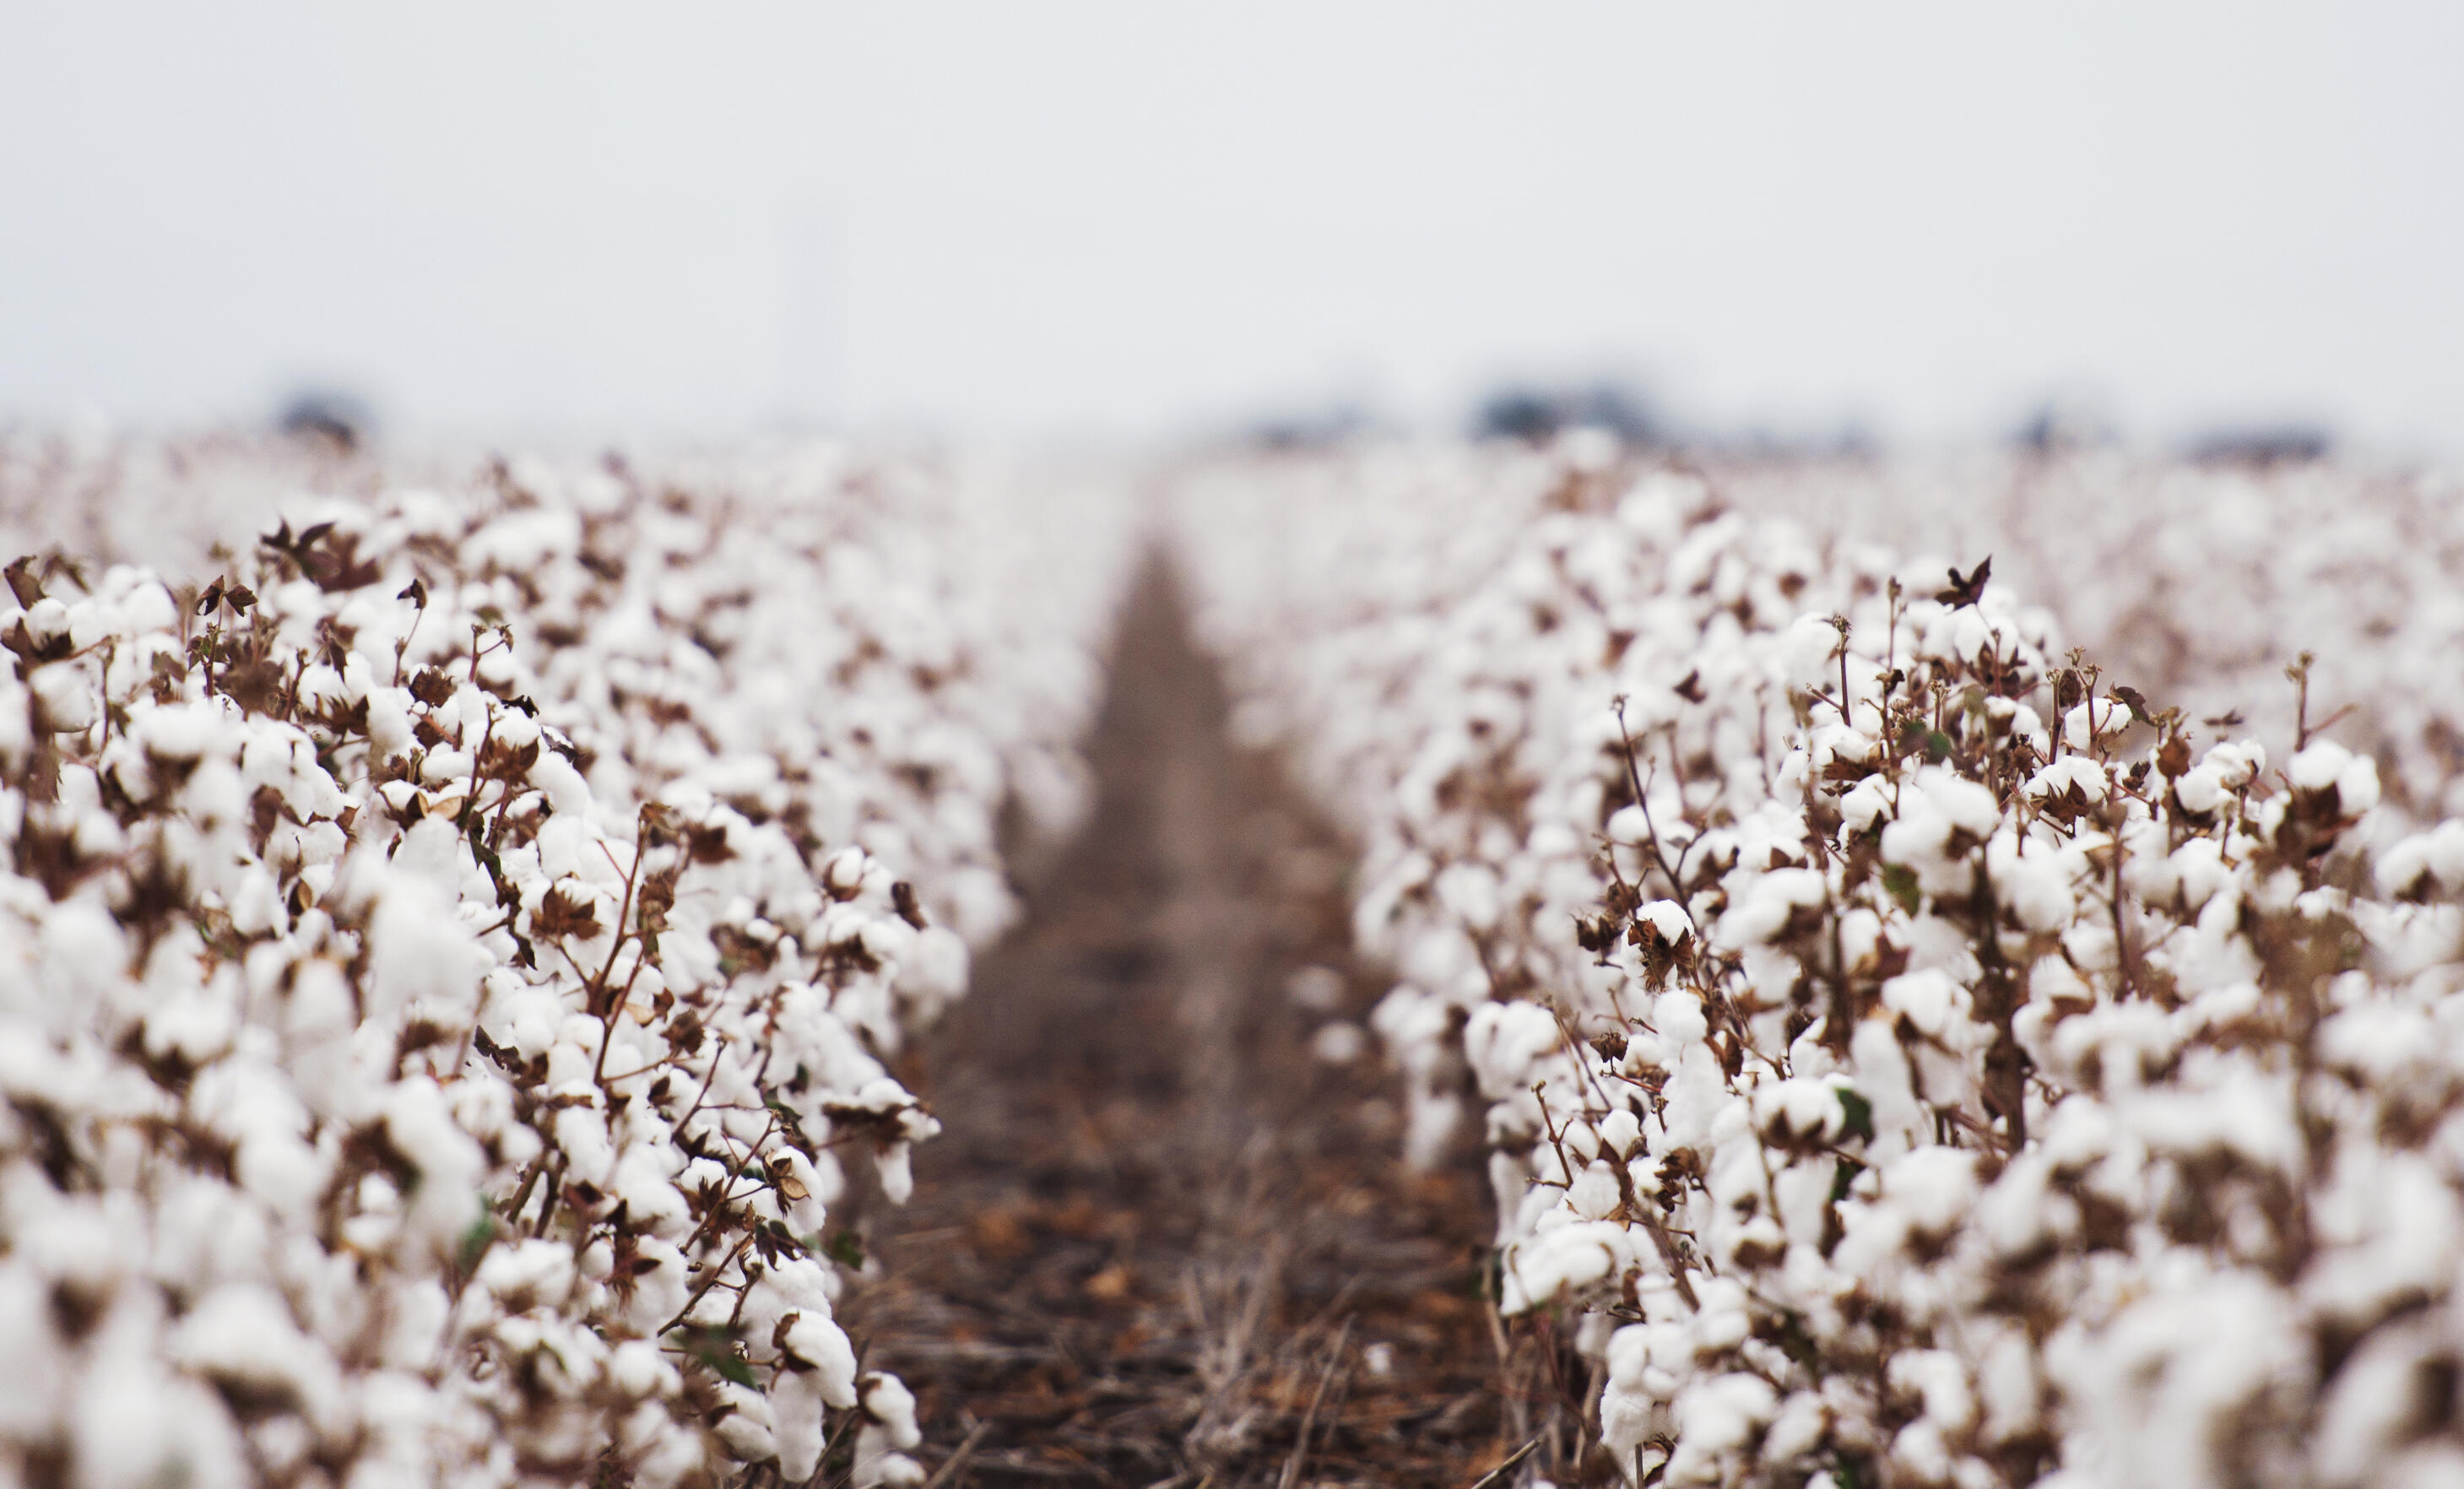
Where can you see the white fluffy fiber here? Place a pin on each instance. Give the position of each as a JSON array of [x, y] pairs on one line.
[[2224, 1245], [442, 986]]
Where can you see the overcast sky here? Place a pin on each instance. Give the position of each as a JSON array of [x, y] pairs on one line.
[[1134, 219]]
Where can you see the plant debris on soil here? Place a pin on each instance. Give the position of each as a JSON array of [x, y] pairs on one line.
[[1160, 1241]]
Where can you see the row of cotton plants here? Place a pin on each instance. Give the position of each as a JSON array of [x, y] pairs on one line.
[[1918, 1056], [2203, 579], [452, 958]]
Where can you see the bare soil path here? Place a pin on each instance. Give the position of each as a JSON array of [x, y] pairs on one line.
[[1159, 1242]]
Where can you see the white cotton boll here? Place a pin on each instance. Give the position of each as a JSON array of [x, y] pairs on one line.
[[2201, 789], [1797, 1427], [934, 967], [2035, 887], [2357, 785], [1966, 804], [390, 721], [1939, 1378], [1769, 903], [878, 1467], [1569, 1257], [894, 1166], [567, 793], [1317, 989], [1806, 651], [2070, 772], [30, 1380], [64, 698], [2438, 853], [1471, 892], [94, 621], [86, 1245], [797, 1415], [1503, 1040], [1720, 1327], [1593, 1195], [845, 873], [448, 1163], [581, 1136], [887, 1401], [639, 1367], [2029, 727], [1801, 1108], [1716, 1417], [137, 1427], [242, 1334], [1918, 838], [181, 730], [2371, 1404], [1929, 999], [84, 951], [48, 619], [1680, 1019], [1621, 1132], [148, 607], [747, 1431], [1864, 802], [526, 1274], [2319, 766], [2200, 872], [1669, 918], [420, 955], [1339, 1043]]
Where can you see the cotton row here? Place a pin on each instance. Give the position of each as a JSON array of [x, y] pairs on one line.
[[1916, 1060], [451, 971]]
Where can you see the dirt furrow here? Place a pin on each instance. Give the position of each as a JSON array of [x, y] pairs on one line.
[[1160, 1241]]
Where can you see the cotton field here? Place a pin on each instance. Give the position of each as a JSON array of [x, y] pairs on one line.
[[1950, 973]]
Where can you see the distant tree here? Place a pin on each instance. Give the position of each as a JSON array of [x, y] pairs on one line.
[[333, 418]]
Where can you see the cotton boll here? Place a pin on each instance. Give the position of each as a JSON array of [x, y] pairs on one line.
[[2357, 785], [134, 1425], [1503, 1040], [243, 1335], [1717, 1417], [420, 955], [876, 1465], [889, 1402], [2035, 887], [147, 606], [1563, 1260], [2200, 790], [1808, 649], [2318, 767], [448, 1165], [1621, 1132], [390, 721], [1593, 1195], [64, 698], [1796, 1429]]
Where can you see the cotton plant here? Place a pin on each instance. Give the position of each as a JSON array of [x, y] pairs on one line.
[[2199, 580], [439, 1036], [1913, 1060]]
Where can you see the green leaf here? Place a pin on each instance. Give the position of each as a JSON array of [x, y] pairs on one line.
[[1937, 746], [476, 1239], [846, 1249], [1901, 881], [1859, 1112], [717, 1349]]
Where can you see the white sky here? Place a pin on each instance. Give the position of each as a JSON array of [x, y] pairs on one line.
[[1131, 219]]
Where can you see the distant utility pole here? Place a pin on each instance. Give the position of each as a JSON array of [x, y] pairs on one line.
[[811, 396]]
